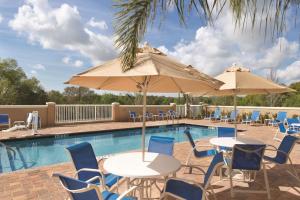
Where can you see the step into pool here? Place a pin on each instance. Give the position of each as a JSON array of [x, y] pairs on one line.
[[30, 153]]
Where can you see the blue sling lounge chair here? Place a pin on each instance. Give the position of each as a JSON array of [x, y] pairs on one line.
[[281, 129], [80, 190], [189, 190], [253, 119], [197, 153], [163, 145], [281, 116], [282, 154], [87, 168], [4, 120]]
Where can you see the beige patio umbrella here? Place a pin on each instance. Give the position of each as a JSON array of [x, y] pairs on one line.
[[239, 81], [153, 72]]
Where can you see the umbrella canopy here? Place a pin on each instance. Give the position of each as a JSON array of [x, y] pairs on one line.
[[164, 74], [153, 72], [240, 81]]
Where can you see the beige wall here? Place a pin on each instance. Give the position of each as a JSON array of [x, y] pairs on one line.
[[263, 110], [19, 112]]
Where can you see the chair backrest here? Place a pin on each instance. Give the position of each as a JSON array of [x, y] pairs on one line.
[[83, 156], [281, 116], [217, 112], [286, 146], [217, 161], [247, 156], [226, 132], [132, 114], [255, 115], [233, 114], [4, 119], [290, 121], [189, 136], [163, 145], [70, 184], [281, 127]]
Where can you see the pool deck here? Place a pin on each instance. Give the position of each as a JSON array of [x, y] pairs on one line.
[[37, 183]]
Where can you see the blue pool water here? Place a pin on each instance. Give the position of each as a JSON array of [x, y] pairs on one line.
[[29, 153]]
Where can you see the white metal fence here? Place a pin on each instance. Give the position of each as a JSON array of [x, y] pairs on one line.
[[82, 113], [180, 110], [196, 111]]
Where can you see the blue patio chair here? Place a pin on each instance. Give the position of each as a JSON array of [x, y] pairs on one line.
[[4, 120], [148, 116], [255, 117], [189, 190], [285, 131], [162, 115], [281, 116], [87, 167], [216, 115], [163, 145], [80, 190], [134, 116], [282, 154], [197, 153], [291, 121], [248, 158]]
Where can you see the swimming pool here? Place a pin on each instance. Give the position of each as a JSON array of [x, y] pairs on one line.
[[30, 153]]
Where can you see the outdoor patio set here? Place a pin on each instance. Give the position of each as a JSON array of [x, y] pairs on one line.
[[156, 170]]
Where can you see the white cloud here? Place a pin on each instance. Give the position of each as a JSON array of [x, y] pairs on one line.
[[39, 67], [33, 72], [78, 63], [99, 24], [1, 18], [61, 28], [291, 73], [68, 61], [215, 48]]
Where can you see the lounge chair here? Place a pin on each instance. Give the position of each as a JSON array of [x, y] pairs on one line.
[[248, 158], [81, 190], [87, 167], [216, 115], [197, 153], [291, 121], [281, 116], [285, 131], [149, 116], [163, 145], [162, 115], [283, 154], [255, 117], [231, 118], [190, 190], [4, 120], [134, 116], [29, 121]]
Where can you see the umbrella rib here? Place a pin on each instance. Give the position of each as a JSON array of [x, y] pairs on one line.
[[177, 85], [103, 83]]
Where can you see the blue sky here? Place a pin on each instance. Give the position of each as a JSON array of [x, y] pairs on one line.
[[53, 40]]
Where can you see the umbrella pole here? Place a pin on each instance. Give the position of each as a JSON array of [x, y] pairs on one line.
[[144, 120], [235, 115]]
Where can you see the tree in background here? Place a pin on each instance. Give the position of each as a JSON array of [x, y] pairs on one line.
[[16, 87]]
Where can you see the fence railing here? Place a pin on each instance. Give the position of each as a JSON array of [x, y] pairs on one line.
[[196, 111], [82, 113], [180, 110]]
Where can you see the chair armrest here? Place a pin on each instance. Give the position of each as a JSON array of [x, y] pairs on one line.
[[19, 122], [89, 170], [93, 179], [127, 192]]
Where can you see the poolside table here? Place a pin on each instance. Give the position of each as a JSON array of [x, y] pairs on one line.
[[131, 165], [229, 142]]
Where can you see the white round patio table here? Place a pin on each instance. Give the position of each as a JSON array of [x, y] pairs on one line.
[[131, 165], [229, 142]]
